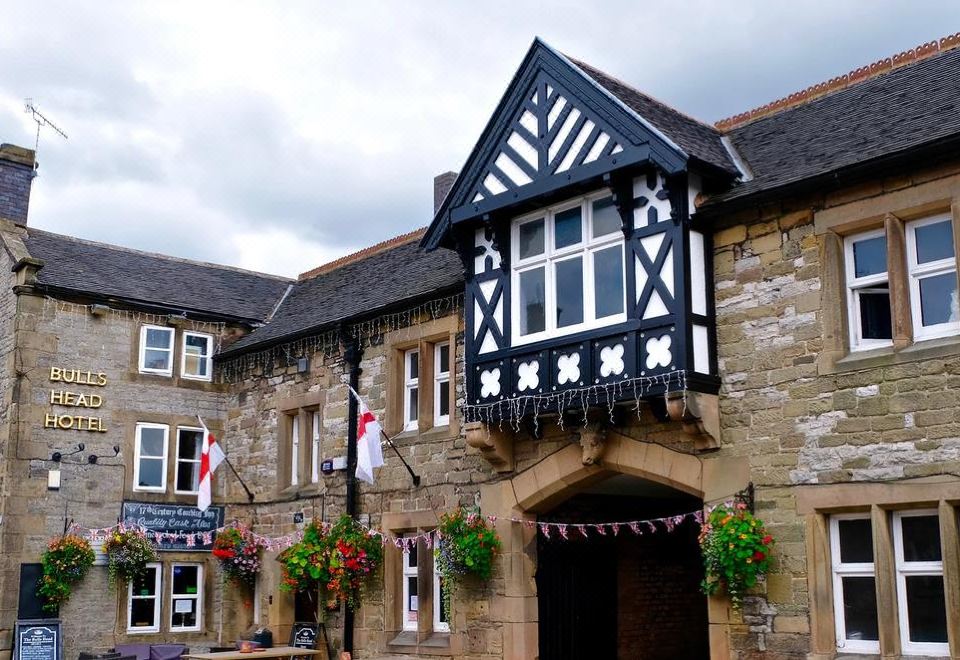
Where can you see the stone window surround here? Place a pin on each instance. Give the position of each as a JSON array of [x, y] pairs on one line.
[[424, 640], [818, 502], [302, 406], [423, 336], [890, 211], [207, 614]]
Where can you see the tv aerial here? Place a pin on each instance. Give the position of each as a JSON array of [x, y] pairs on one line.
[[42, 122]]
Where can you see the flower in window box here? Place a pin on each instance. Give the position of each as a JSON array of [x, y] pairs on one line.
[[128, 553], [65, 563]]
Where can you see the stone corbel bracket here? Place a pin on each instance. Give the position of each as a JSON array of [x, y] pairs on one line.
[[698, 414], [494, 445], [593, 442]]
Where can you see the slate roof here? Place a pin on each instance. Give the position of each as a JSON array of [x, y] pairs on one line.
[[394, 276], [108, 271], [697, 139], [906, 108]]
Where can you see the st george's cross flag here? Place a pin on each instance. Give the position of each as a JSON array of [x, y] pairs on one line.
[[369, 452], [210, 458]]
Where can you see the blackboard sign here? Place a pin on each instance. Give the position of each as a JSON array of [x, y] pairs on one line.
[[174, 526], [304, 635], [38, 639]]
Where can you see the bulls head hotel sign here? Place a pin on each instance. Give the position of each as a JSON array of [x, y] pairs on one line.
[[74, 410]]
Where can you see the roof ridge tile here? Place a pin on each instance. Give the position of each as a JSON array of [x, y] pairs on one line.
[[363, 253]]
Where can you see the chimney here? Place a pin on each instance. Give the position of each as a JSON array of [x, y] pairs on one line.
[[442, 183], [17, 169]]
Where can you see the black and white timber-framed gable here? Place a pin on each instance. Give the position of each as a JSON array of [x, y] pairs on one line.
[[587, 278]]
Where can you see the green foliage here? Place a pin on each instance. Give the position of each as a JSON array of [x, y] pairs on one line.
[[466, 546], [240, 555], [339, 560], [736, 552], [65, 562], [128, 553]]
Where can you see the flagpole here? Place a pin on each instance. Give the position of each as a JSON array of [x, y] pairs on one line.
[[413, 475], [239, 478]]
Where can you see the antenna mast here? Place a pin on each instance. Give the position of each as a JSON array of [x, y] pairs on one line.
[[41, 120]]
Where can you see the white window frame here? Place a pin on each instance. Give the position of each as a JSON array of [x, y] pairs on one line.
[[855, 285], [178, 460], [916, 272], [438, 625], [157, 598], [206, 357], [143, 349], [410, 572], [315, 422], [410, 384], [197, 598], [911, 568], [841, 570], [441, 379], [586, 249], [136, 457], [295, 449]]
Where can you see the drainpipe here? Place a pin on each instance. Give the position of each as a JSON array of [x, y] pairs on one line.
[[353, 353]]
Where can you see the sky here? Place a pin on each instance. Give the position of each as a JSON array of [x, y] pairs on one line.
[[279, 136]]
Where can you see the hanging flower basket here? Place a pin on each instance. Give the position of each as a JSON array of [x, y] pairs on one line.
[[736, 552], [466, 546], [128, 553], [65, 563], [353, 554], [239, 554], [302, 565]]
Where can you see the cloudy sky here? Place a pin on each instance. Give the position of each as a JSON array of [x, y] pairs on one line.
[[277, 136]]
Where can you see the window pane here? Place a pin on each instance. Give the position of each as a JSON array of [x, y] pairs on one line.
[[569, 292], [444, 366], [860, 608], [875, 320], [856, 541], [926, 610], [184, 613], [412, 593], [533, 302], [413, 365], [154, 359], [531, 239], [146, 585], [439, 595], [186, 580], [188, 476], [414, 395], [151, 473], [568, 228], [444, 403], [608, 281], [938, 299], [196, 344], [606, 219], [151, 442], [934, 242], [411, 558], [159, 338], [142, 612], [921, 538], [870, 256], [191, 444]]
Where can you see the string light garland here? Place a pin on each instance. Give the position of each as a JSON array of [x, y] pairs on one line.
[[370, 332]]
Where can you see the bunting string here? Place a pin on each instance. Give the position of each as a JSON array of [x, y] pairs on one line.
[[407, 543]]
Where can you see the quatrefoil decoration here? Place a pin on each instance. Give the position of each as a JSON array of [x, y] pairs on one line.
[[658, 352], [568, 368], [611, 360], [527, 378], [490, 383]]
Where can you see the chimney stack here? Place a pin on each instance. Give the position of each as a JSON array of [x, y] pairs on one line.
[[17, 169], [442, 183]]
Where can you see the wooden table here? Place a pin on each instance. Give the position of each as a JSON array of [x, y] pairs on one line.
[[275, 652]]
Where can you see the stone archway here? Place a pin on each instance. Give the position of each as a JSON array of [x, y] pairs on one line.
[[563, 474]]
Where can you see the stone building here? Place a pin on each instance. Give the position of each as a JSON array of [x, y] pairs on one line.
[[618, 313]]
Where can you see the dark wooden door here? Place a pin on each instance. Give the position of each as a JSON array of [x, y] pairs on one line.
[[577, 596]]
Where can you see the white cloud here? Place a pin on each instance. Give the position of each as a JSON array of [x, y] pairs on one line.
[[227, 130]]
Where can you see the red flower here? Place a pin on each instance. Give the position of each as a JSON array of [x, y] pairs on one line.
[[759, 556], [767, 540]]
